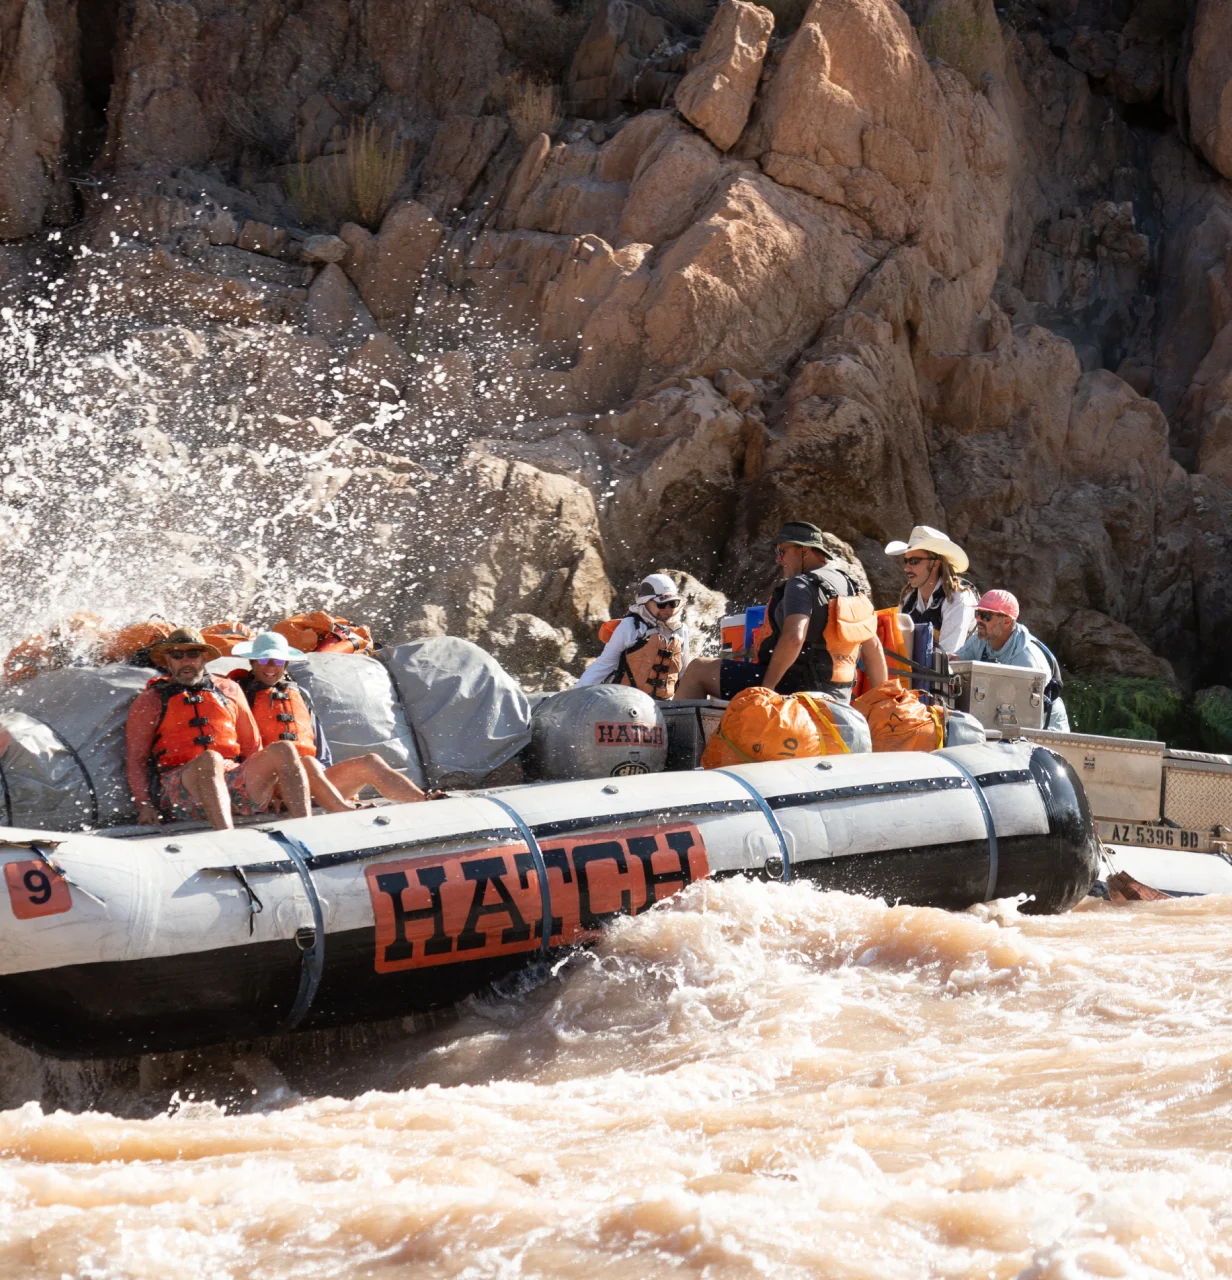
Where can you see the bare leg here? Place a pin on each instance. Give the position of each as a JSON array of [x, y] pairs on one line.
[[278, 765], [700, 679], [204, 780], [322, 789], [352, 776]]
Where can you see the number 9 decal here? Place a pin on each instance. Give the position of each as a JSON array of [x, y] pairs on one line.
[[36, 890]]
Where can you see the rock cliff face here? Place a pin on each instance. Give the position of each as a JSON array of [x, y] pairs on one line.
[[614, 284]]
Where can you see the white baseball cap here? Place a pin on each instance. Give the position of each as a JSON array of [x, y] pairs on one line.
[[657, 587]]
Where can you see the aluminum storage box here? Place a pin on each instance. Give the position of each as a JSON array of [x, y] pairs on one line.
[[1000, 697], [1198, 791], [1123, 777]]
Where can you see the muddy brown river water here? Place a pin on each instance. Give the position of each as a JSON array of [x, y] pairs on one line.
[[754, 1080]]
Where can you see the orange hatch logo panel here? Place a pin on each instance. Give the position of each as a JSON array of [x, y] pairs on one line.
[[432, 911]]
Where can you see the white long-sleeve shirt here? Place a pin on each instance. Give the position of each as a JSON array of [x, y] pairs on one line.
[[626, 635], [957, 616]]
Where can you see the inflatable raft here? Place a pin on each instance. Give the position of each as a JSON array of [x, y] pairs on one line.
[[114, 946]]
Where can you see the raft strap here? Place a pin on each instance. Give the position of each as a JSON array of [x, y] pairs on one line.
[[989, 826], [541, 869], [312, 962], [760, 801]]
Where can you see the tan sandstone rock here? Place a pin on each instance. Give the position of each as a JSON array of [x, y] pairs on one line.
[[1091, 643], [387, 268], [717, 93], [31, 115], [1210, 84]]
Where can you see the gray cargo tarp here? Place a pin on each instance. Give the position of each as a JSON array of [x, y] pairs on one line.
[[359, 709], [470, 716], [64, 765]]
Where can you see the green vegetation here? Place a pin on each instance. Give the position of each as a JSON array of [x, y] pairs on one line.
[[1132, 707], [1213, 714], [356, 184]]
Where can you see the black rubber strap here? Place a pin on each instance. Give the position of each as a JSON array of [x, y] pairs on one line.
[[312, 963], [768, 814], [8, 799], [989, 826], [541, 869]]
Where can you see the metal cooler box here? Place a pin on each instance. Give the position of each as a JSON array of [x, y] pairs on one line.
[[1000, 697]]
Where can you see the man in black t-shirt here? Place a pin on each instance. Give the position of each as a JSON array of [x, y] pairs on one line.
[[795, 656]]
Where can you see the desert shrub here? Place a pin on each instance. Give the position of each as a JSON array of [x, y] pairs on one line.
[[1129, 707], [960, 38], [1213, 716], [356, 184], [533, 106]]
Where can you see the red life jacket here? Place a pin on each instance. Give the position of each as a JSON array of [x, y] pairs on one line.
[[193, 721], [282, 715]]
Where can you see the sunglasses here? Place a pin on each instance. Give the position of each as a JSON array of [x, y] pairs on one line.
[[914, 560], [987, 615], [269, 662], [180, 654], [670, 605]]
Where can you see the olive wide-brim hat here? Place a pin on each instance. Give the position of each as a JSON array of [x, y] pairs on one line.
[[925, 538], [800, 534], [183, 638]]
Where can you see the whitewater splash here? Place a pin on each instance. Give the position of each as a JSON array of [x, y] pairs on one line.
[[198, 474], [750, 1080]]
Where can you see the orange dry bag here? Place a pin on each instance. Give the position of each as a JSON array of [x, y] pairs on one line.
[[224, 636], [899, 721], [762, 725], [124, 645]]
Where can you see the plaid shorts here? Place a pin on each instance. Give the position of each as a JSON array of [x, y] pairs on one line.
[[176, 805]]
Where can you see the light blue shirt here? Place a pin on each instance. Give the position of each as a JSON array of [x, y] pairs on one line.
[[1021, 649]]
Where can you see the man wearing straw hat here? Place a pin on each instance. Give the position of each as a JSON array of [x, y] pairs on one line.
[[193, 749], [935, 592]]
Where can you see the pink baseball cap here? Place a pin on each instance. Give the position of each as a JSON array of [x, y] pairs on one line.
[[999, 602]]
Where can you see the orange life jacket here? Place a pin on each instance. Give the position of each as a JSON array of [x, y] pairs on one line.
[[193, 721], [607, 629], [891, 636], [282, 715], [652, 665]]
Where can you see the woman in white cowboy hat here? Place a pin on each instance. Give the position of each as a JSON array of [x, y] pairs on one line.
[[935, 592]]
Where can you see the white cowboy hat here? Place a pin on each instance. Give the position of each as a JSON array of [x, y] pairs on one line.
[[924, 538]]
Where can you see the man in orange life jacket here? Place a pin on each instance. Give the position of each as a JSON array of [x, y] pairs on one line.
[[284, 713], [193, 750], [797, 655]]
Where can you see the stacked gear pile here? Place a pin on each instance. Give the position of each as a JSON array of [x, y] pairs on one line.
[[85, 640], [321, 632]]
